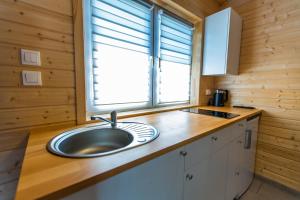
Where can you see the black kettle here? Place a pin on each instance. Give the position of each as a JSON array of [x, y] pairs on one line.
[[220, 97]]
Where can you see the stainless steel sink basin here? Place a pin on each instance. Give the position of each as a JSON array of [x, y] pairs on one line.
[[101, 140]]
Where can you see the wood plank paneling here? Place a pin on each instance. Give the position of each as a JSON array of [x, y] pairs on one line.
[[11, 77], [28, 117], [201, 7], [60, 6], [45, 26], [31, 15], [269, 79], [275, 159], [10, 56], [32, 97], [27, 24], [15, 33], [279, 151]]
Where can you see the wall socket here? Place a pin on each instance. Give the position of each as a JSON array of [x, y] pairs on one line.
[[207, 92]]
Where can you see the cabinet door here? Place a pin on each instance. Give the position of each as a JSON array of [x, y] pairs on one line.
[[217, 174], [195, 182], [216, 43], [159, 179], [222, 40], [234, 168], [197, 152], [247, 172]]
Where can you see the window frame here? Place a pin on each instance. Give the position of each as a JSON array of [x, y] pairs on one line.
[[83, 58], [156, 53], [88, 46]]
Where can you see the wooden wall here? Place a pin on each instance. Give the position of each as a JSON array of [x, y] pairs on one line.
[[270, 79], [46, 26]]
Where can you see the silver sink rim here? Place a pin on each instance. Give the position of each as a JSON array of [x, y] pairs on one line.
[[52, 145]]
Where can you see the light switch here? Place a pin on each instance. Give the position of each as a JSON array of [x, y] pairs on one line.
[[29, 57], [32, 78]]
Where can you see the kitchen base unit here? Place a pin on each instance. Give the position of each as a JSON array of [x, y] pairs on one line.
[[219, 166]]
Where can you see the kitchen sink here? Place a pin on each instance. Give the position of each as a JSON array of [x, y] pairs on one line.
[[101, 140]]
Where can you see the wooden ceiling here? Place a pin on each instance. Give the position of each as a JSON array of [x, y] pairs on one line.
[[232, 3], [221, 2]]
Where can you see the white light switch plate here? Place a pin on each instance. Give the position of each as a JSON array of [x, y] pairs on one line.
[[29, 57], [32, 78]]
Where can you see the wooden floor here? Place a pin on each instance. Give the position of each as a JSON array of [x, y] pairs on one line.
[[264, 190]]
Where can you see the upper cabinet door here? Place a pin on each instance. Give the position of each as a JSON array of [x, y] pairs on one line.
[[222, 43]]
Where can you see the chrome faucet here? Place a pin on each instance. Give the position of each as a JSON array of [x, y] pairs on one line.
[[112, 121]]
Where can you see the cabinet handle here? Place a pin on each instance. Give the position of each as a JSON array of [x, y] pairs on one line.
[[248, 135], [214, 138], [183, 153], [189, 177]]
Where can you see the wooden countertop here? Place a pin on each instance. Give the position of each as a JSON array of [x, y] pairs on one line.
[[47, 176]]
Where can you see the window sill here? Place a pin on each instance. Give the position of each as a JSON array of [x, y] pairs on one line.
[[135, 113]]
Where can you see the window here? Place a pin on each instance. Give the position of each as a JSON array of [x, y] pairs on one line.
[[141, 56], [175, 60]]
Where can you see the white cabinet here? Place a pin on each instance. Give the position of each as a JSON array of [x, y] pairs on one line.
[[196, 161], [234, 168], [206, 163], [241, 158], [195, 181], [222, 40], [160, 178], [249, 152], [216, 167], [217, 174]]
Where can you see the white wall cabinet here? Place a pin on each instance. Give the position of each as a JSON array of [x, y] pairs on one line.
[[222, 38], [216, 167]]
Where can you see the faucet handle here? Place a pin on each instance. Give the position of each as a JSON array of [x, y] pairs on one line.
[[113, 115], [113, 118]]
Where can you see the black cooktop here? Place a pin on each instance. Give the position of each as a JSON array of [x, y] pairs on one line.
[[211, 113]]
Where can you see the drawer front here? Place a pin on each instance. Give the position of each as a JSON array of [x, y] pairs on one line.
[[226, 135]]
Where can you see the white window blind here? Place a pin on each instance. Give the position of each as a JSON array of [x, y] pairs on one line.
[[124, 37], [175, 60], [122, 47]]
